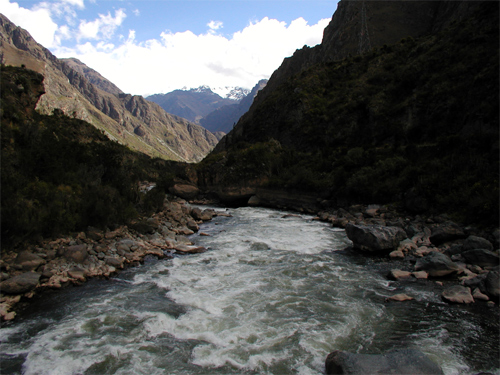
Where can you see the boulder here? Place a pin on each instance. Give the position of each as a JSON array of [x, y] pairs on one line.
[[207, 214], [401, 297], [29, 261], [444, 232], [375, 237], [481, 257], [77, 273], [190, 249], [184, 231], [475, 242], [114, 262], [254, 201], [204, 215], [458, 294], [396, 254], [477, 282], [185, 191], [19, 284], [196, 213], [492, 284], [191, 224], [126, 245], [437, 265], [420, 275], [76, 253], [399, 275], [477, 294], [401, 362]]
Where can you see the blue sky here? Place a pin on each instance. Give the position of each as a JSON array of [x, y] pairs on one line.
[[155, 46]]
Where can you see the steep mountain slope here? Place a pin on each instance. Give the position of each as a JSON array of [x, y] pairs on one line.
[[358, 26], [130, 120], [191, 104], [414, 123], [224, 118], [92, 76], [61, 174]]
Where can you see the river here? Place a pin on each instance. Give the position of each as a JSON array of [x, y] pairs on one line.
[[272, 295]]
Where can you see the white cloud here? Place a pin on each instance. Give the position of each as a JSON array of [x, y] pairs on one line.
[[101, 28], [215, 25], [37, 22], [175, 60], [171, 61]]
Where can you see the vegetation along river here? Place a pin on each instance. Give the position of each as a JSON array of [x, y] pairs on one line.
[[273, 295]]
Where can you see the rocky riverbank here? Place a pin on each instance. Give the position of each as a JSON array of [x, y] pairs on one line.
[[71, 260], [464, 260]]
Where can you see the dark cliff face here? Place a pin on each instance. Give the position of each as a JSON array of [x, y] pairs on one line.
[[416, 121], [358, 26]]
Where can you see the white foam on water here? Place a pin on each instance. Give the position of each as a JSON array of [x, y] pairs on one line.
[[244, 308]]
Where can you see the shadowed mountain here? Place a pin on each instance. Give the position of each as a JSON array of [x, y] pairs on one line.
[[412, 120]]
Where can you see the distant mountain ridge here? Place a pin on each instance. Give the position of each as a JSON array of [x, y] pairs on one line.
[[224, 118], [80, 92], [196, 103]]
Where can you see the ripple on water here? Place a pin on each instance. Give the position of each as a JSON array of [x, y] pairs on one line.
[[273, 295]]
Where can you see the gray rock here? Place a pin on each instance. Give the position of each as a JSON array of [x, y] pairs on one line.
[[447, 231], [437, 265], [185, 191], [126, 244], [196, 213], [401, 362], [458, 294], [475, 242], [29, 261], [254, 201], [481, 257], [76, 253], [190, 249], [375, 237], [114, 262], [207, 214], [22, 283], [191, 224], [259, 246], [492, 284]]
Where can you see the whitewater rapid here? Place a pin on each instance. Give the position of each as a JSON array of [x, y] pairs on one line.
[[274, 294]]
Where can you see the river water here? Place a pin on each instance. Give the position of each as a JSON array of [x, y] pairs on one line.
[[273, 295]]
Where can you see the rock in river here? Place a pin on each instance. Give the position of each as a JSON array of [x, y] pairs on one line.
[[22, 283], [401, 362], [437, 265], [458, 294], [375, 237]]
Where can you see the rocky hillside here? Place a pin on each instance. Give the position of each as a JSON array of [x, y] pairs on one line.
[[61, 174], [413, 123], [191, 104], [82, 93], [224, 118], [92, 76]]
